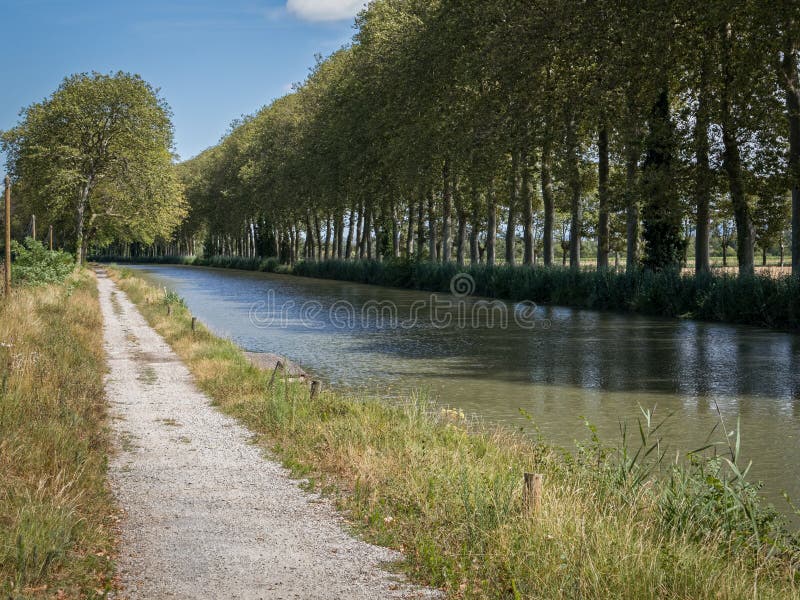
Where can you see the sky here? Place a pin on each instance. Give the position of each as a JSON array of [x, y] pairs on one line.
[[213, 60]]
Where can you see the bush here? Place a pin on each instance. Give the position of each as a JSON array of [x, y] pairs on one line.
[[35, 265]]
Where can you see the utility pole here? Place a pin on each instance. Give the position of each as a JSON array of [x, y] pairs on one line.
[[50, 236], [8, 239]]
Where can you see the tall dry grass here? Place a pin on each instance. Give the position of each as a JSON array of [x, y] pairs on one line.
[[614, 522], [56, 513]]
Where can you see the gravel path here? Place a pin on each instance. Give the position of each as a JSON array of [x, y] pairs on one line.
[[206, 514]]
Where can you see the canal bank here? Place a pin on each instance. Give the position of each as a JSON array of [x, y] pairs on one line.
[[450, 494]]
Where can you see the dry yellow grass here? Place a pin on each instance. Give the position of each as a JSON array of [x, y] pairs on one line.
[[56, 513]]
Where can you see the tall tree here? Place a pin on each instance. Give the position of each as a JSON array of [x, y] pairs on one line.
[[99, 148]]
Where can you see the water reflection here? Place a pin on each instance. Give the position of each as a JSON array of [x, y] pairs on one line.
[[571, 365]]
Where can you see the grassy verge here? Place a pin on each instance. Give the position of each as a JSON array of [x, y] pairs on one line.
[[56, 514], [613, 523], [763, 300]]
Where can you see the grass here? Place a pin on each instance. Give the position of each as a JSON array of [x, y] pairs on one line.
[[763, 299], [621, 522], [56, 514]]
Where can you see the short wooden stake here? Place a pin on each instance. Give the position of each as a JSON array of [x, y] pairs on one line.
[[194, 323], [533, 491], [8, 238], [169, 309], [315, 387], [278, 366]]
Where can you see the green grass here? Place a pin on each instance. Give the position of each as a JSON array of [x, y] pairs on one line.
[[56, 513], [621, 522]]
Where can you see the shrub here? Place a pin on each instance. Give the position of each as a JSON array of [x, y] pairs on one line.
[[35, 265]]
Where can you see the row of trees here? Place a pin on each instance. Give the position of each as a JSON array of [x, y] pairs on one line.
[[94, 160], [449, 124]]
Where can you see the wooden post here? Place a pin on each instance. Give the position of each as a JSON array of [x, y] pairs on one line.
[[278, 366], [8, 238], [50, 236], [533, 491], [315, 387], [194, 323], [169, 309], [33, 226]]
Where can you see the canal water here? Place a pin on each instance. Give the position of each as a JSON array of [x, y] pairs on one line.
[[549, 369]]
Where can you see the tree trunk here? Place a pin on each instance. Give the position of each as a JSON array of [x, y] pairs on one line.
[[410, 233], [313, 236], [631, 208], [491, 224], [474, 254], [83, 202], [782, 252], [421, 225], [447, 203], [603, 197], [340, 234], [360, 230], [791, 84], [432, 245], [396, 230], [327, 238], [461, 215], [526, 197], [549, 204], [576, 207], [702, 178], [513, 194], [348, 245], [366, 233], [745, 230], [309, 248]]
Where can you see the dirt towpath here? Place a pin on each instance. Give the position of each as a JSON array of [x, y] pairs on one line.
[[206, 515]]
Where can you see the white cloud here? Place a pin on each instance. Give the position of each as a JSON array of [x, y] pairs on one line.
[[325, 10]]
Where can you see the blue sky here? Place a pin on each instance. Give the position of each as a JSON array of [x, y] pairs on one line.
[[213, 60]]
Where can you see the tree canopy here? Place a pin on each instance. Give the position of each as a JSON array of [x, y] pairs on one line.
[[449, 130], [95, 157]]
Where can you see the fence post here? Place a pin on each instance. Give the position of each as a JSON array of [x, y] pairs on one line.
[[33, 226], [278, 366], [194, 323], [533, 491], [51, 238], [8, 238], [315, 387]]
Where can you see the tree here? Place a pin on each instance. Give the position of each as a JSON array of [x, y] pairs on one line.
[[99, 148], [771, 215]]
